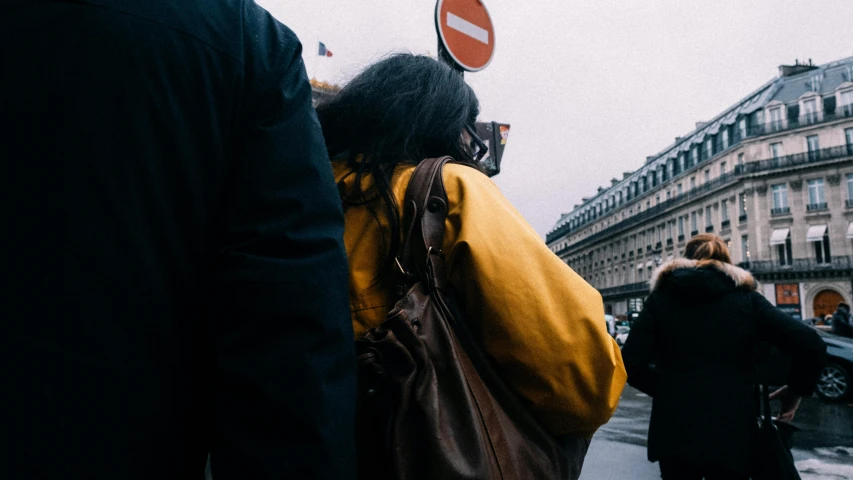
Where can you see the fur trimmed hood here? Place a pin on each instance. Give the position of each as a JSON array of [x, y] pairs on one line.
[[741, 278]]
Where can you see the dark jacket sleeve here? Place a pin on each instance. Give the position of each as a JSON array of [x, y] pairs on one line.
[[641, 349], [281, 328], [802, 343]]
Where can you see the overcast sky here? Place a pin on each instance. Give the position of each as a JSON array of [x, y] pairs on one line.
[[590, 87]]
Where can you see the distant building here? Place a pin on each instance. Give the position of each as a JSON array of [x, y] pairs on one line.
[[772, 175], [322, 90]]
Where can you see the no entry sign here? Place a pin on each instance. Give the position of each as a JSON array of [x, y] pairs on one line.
[[466, 32]]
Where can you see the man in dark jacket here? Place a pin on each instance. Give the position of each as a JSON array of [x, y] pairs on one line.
[[842, 323], [175, 280], [693, 348]]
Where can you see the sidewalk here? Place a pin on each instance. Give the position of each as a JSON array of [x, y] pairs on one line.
[[608, 460]]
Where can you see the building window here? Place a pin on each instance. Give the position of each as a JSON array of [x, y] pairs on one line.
[[744, 248], [694, 155], [783, 252], [740, 159], [810, 111], [847, 102], [709, 147], [692, 183], [742, 204], [707, 175], [725, 136], [775, 119], [724, 210], [821, 249], [723, 170], [780, 199], [848, 136], [654, 179], [817, 200], [708, 222], [850, 189], [741, 128], [678, 189], [680, 227], [694, 225], [776, 150], [813, 145]]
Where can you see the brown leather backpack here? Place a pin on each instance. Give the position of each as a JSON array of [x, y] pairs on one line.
[[430, 406]]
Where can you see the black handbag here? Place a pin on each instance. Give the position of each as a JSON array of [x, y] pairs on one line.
[[772, 459]]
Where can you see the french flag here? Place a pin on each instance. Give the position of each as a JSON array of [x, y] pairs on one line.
[[324, 52]]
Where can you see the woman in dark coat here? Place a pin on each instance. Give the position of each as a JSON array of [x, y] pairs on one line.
[[692, 350]]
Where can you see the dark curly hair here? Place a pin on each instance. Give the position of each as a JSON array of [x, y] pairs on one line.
[[402, 109]]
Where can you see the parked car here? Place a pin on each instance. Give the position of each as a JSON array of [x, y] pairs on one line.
[[834, 383], [622, 335], [610, 321]]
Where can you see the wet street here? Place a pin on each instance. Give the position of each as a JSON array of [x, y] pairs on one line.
[[823, 449]]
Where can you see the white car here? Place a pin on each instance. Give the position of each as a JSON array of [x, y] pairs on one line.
[[622, 335], [610, 320]]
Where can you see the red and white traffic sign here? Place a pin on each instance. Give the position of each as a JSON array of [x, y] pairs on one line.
[[465, 29]]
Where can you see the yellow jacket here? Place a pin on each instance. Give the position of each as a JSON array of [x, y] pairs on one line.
[[541, 324]]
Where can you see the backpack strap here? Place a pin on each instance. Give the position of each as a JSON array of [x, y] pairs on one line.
[[424, 213]]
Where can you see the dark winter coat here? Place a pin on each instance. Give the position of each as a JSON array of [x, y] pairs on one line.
[[692, 349], [842, 322], [174, 276]]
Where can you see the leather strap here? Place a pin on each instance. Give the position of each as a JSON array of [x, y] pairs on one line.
[[424, 214]]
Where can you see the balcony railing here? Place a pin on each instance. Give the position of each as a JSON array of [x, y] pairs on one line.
[[811, 118], [741, 218], [725, 223], [788, 161], [794, 160], [812, 207], [838, 263], [640, 288], [709, 228], [780, 210]]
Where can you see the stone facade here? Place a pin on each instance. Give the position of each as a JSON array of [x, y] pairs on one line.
[[772, 175]]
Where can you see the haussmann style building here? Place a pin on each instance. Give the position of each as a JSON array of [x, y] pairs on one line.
[[772, 175]]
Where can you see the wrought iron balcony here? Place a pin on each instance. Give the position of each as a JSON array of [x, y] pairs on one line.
[[810, 118], [725, 223], [840, 264], [741, 218], [812, 207], [709, 228], [780, 210], [638, 288], [788, 161]]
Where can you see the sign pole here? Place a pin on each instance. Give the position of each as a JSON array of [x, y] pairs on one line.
[[444, 57]]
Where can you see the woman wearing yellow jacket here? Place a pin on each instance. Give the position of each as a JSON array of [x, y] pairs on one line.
[[539, 322]]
